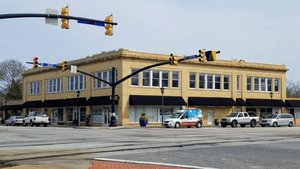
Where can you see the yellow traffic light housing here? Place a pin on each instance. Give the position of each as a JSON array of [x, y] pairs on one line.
[[173, 60], [108, 27], [211, 55], [202, 55], [64, 21], [64, 66], [35, 62]]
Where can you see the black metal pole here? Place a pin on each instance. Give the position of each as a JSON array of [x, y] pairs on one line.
[[113, 121], [39, 15], [163, 110], [77, 121]]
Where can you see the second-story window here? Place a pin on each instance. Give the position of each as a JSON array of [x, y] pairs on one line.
[[35, 88], [249, 83], [210, 81], [192, 80], [165, 79], [217, 81], [276, 85], [155, 78], [54, 85], [238, 82], [76, 83], [146, 78], [135, 78], [202, 81], [175, 79], [226, 82], [256, 84]]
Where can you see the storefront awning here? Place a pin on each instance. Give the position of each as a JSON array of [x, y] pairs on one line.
[[265, 102], [11, 107], [292, 103], [101, 100], [53, 103], [32, 104], [211, 101], [241, 102], [156, 100], [74, 102]]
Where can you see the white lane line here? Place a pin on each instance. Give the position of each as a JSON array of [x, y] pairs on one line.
[[153, 163]]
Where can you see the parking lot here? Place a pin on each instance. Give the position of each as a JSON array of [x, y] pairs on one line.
[[214, 147]]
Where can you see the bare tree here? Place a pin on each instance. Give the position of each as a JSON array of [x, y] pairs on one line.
[[11, 78], [293, 89]]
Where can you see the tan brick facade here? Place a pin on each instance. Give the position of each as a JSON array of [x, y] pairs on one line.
[[125, 60]]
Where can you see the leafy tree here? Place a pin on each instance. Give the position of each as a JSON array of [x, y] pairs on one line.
[[11, 79]]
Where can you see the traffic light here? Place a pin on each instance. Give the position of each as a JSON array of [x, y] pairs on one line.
[[202, 55], [35, 62], [64, 21], [211, 55], [173, 60], [108, 27], [64, 66]]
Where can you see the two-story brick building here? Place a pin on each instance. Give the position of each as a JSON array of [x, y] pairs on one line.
[[218, 88]]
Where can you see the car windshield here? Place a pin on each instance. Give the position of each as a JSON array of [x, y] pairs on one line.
[[42, 114], [272, 116], [176, 115], [19, 117], [232, 115]]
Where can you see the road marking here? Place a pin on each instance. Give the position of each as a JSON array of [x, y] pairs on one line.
[[152, 163]]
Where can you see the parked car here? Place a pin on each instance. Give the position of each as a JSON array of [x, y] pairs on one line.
[[276, 120], [14, 120], [37, 119], [242, 118]]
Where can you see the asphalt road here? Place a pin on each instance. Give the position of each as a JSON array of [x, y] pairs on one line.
[[66, 147]]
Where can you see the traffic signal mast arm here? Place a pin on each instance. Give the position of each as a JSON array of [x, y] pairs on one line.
[[35, 15]]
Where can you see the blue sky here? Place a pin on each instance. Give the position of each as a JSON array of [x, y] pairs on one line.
[[262, 31]]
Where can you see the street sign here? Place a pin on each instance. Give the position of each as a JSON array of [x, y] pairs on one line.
[[51, 21], [191, 57], [91, 22], [73, 69], [47, 65]]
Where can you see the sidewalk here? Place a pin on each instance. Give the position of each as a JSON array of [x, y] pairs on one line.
[[99, 163]]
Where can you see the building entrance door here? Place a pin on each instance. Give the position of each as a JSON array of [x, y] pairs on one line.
[[210, 117], [105, 116], [54, 117]]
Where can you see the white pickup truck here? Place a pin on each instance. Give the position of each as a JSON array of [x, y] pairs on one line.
[[242, 118], [37, 119], [185, 117]]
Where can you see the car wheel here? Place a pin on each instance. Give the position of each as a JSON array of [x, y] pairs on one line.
[[199, 124], [45, 125], [177, 125], [243, 125], [253, 123], [224, 125], [13, 124], [31, 124], [6, 124], [262, 125], [275, 124], [234, 124], [291, 124]]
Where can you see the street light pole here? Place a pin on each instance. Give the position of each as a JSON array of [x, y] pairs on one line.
[[78, 119], [271, 95], [162, 90]]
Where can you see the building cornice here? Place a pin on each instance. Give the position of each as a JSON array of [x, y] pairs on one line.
[[127, 54]]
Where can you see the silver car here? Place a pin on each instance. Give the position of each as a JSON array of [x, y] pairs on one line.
[[276, 120], [14, 120]]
